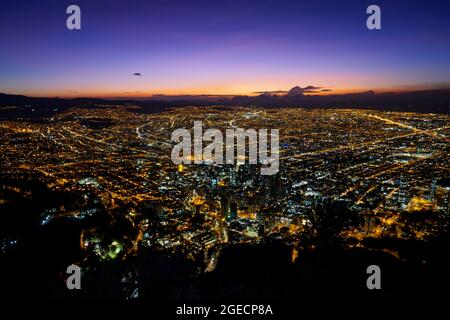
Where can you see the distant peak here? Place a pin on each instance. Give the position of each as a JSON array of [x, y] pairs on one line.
[[296, 91]]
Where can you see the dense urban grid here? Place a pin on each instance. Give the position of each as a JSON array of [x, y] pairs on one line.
[[345, 176]]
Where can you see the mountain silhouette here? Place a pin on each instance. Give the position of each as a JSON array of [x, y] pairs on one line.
[[426, 101], [295, 91]]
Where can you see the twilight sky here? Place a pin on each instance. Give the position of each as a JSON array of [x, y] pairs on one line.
[[220, 47]]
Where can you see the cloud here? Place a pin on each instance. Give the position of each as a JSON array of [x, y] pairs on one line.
[[295, 91], [137, 74], [271, 92], [131, 92], [312, 89], [308, 89]]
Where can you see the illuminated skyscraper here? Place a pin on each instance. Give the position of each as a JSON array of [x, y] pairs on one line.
[[433, 189], [233, 212], [224, 206], [403, 193]]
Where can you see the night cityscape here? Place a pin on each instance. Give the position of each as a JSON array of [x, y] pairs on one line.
[[87, 176], [364, 179]]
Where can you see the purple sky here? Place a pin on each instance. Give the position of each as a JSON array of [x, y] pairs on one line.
[[220, 47]]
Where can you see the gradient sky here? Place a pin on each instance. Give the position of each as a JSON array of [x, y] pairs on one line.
[[220, 47]]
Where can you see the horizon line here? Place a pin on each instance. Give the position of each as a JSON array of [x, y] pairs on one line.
[[138, 95]]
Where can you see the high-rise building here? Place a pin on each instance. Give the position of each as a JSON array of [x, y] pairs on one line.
[[233, 212], [433, 189], [403, 193], [261, 223], [233, 178], [274, 186], [446, 203], [224, 206]]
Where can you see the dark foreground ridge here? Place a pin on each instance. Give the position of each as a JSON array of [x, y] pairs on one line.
[[260, 272]]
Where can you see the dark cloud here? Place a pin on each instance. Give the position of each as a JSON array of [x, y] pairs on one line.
[[308, 89], [137, 74], [270, 92], [295, 91], [313, 88]]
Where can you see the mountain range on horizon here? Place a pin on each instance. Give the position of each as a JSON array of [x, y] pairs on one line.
[[427, 101]]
